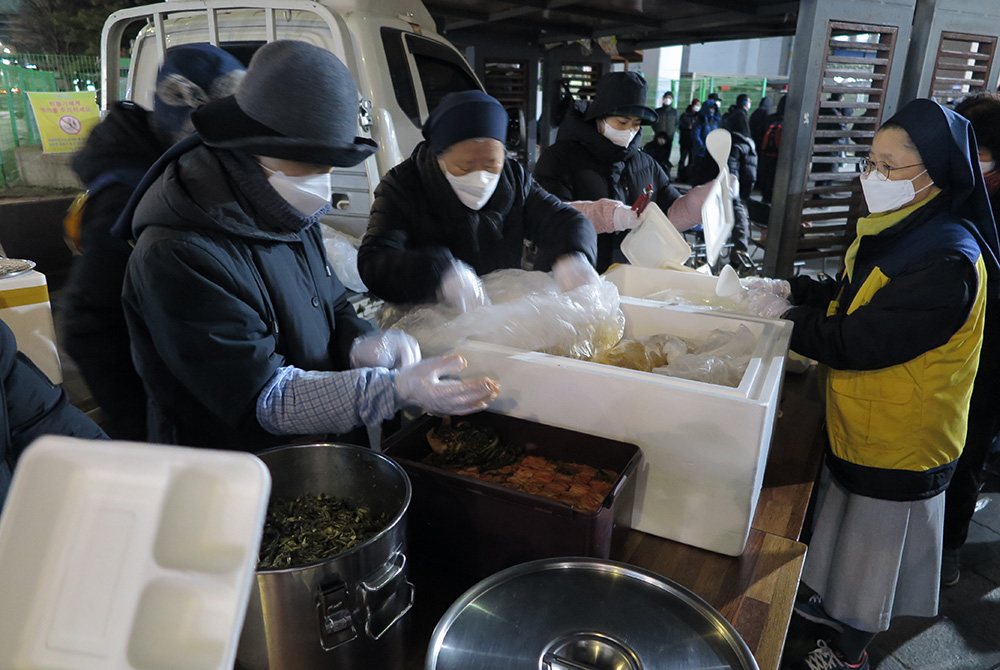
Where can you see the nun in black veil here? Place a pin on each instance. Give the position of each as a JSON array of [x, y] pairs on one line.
[[898, 337]]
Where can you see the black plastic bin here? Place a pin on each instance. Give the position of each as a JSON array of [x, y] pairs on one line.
[[477, 528]]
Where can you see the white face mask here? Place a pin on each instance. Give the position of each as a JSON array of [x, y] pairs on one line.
[[307, 194], [696, 109], [886, 195], [474, 189], [620, 137], [987, 167]]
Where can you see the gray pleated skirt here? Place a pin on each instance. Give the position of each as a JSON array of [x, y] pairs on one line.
[[873, 560]]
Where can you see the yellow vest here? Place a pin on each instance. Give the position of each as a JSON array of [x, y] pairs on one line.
[[911, 416]]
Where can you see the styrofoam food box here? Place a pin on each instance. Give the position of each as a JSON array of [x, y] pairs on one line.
[[638, 282], [655, 242], [128, 555], [704, 445]]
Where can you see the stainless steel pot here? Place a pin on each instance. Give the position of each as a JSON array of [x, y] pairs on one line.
[[583, 614], [347, 612]]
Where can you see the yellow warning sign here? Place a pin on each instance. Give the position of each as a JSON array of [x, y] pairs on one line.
[[64, 119]]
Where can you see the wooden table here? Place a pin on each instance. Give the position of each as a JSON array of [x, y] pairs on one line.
[[753, 591]]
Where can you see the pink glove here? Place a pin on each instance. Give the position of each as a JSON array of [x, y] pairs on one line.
[[685, 213], [425, 385], [606, 214], [765, 304], [572, 271], [778, 287], [385, 349], [461, 288]]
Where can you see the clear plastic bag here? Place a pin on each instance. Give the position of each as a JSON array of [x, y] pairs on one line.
[[527, 312], [722, 359], [342, 252]]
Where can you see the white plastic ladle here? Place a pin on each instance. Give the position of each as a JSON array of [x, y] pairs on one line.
[[729, 283]]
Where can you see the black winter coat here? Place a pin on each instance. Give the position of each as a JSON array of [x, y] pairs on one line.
[[418, 225], [582, 164], [30, 406], [226, 284], [118, 152]]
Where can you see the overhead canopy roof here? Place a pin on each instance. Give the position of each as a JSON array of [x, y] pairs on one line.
[[637, 24]]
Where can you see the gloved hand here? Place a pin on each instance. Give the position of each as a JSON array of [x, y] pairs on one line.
[[685, 212], [778, 287], [461, 288], [606, 214], [423, 385], [572, 271], [766, 304], [625, 218], [734, 185], [391, 349]]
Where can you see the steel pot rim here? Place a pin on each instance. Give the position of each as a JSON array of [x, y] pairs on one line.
[[396, 520]]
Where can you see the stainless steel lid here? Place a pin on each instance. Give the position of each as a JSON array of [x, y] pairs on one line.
[[583, 614]]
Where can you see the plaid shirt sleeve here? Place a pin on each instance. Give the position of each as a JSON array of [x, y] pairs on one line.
[[301, 402]]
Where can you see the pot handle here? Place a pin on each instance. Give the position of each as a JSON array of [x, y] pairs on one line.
[[383, 594]]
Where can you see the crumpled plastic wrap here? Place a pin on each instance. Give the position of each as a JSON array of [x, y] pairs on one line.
[[643, 354], [722, 359], [527, 312], [342, 253]]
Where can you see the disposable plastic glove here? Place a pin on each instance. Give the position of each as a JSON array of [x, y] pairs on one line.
[[606, 214], [385, 349], [625, 218], [685, 212], [461, 288], [766, 304], [424, 385], [778, 287], [572, 271]]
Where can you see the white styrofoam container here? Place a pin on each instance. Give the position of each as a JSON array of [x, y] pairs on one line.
[[638, 282], [704, 445], [128, 556]]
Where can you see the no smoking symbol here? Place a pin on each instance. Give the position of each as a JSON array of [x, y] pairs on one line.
[[70, 125]]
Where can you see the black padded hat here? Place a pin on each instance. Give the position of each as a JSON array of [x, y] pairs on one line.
[[297, 102], [621, 94]]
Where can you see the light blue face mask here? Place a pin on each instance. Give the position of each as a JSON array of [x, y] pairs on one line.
[[307, 193]]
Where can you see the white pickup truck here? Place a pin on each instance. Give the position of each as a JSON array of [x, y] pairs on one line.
[[401, 65]]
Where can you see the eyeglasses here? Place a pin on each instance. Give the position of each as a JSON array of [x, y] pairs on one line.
[[882, 168]]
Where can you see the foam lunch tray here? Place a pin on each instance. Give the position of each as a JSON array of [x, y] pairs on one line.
[[128, 556]]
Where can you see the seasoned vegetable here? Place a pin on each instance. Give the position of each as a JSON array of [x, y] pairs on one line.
[[478, 452], [312, 528]]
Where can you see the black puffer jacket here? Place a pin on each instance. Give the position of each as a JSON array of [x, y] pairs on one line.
[[226, 284], [30, 406], [585, 165], [418, 225], [118, 152]]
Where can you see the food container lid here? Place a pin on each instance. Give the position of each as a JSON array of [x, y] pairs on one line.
[[128, 555], [583, 614], [655, 242]]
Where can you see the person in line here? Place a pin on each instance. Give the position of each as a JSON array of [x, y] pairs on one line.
[[666, 123], [458, 208], [758, 118], [32, 407], [241, 332], [685, 128], [767, 151], [708, 119], [983, 112], [659, 149], [597, 156], [739, 121], [899, 337], [117, 154]]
